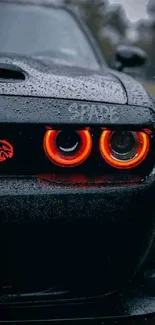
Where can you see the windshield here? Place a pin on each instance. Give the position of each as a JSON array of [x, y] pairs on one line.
[[40, 31]]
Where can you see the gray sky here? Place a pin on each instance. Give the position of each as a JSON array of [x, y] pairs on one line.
[[135, 9]]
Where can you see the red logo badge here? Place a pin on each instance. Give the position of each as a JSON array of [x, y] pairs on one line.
[[6, 150]]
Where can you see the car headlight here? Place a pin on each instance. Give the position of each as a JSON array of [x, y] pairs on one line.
[[67, 148], [124, 149]]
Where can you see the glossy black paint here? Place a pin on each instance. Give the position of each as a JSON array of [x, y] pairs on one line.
[[58, 81], [88, 239], [48, 223], [56, 95], [35, 110]]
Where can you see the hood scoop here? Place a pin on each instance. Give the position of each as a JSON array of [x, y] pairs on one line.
[[11, 73]]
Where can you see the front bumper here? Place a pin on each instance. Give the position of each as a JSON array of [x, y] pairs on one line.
[[136, 307], [85, 239]]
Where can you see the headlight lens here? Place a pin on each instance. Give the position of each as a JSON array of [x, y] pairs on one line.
[[67, 148], [124, 149]]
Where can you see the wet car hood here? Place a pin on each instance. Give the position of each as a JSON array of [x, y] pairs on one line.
[[48, 79]]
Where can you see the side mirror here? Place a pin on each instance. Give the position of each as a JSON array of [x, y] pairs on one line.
[[129, 57]]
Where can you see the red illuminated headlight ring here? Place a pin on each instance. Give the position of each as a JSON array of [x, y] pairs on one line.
[[73, 160], [141, 152]]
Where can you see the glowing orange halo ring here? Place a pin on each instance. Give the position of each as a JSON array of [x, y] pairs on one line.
[[142, 151], [55, 155]]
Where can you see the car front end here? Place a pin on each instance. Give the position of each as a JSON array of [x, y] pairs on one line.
[[77, 178], [77, 175]]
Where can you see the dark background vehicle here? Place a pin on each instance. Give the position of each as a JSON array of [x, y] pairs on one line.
[[69, 236]]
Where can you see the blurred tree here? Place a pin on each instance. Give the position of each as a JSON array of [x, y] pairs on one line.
[[116, 19], [93, 13], [107, 23], [110, 26], [146, 39], [151, 8]]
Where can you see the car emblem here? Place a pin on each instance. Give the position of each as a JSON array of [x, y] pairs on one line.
[[6, 150]]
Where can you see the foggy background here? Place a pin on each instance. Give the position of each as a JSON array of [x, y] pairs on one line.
[[135, 9], [115, 22]]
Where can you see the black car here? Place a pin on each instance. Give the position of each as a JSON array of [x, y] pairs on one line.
[[77, 177]]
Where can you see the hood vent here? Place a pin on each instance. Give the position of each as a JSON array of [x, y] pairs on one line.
[[10, 73]]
